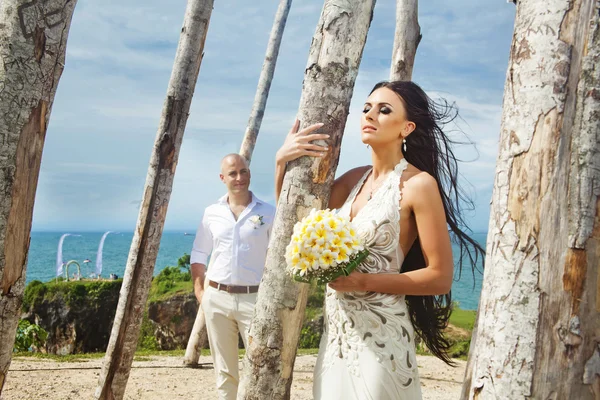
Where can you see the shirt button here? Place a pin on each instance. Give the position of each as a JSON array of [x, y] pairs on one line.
[[244, 247]]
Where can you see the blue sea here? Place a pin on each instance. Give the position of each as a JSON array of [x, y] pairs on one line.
[[41, 264]]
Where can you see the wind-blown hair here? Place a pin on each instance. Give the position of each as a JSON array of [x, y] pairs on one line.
[[428, 148]]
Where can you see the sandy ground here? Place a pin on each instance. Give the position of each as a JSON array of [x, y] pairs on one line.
[[164, 377]]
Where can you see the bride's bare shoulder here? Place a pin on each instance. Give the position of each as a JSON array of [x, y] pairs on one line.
[[343, 185], [417, 186]]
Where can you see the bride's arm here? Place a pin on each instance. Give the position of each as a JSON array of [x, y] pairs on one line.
[[436, 278], [296, 145]]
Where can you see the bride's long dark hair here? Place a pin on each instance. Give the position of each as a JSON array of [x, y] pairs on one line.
[[428, 148]]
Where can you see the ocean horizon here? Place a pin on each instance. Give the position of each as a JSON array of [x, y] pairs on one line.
[[41, 262]]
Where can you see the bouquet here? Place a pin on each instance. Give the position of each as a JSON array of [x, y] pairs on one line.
[[324, 246]]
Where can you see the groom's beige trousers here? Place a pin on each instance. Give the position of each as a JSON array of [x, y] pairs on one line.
[[227, 314]]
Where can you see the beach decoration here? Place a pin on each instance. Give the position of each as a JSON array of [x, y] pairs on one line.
[[59, 261]]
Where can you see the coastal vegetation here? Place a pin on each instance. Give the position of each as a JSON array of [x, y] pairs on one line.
[[97, 299]]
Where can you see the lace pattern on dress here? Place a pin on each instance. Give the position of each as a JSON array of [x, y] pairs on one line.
[[376, 322]]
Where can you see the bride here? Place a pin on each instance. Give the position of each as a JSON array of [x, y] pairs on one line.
[[403, 207]]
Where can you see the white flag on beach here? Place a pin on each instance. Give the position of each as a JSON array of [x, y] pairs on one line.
[[98, 270], [59, 259]]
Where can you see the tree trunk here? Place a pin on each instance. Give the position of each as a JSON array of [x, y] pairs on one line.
[[538, 328], [159, 181], [264, 82], [197, 337], [406, 40], [33, 41], [329, 80]]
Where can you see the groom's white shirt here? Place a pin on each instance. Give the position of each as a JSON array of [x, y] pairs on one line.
[[238, 249]]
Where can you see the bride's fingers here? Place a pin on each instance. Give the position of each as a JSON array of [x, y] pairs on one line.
[[315, 136], [314, 147], [313, 153], [295, 127], [310, 129]]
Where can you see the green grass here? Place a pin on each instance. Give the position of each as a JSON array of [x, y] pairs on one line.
[[73, 293], [175, 288], [312, 313], [56, 357], [174, 353], [464, 319], [140, 355]]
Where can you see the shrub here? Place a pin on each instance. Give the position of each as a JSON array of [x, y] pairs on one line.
[[28, 336], [309, 339]]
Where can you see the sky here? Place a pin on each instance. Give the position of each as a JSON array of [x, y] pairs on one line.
[[119, 61]]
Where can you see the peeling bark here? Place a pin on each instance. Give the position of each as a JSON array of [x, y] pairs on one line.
[[157, 192], [33, 40], [538, 327], [329, 80]]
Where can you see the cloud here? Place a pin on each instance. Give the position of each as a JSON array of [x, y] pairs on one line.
[[119, 60]]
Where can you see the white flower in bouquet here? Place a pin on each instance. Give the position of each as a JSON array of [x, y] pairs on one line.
[[324, 246]]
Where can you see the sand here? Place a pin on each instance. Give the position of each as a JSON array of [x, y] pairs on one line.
[[164, 377]]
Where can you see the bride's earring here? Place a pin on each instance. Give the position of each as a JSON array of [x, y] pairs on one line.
[[404, 145]]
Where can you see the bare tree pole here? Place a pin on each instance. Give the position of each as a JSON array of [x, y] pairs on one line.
[[157, 192], [329, 79], [264, 82], [407, 38], [198, 336], [538, 329], [33, 42], [192, 352]]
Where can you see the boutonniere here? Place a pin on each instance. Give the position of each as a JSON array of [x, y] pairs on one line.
[[257, 220]]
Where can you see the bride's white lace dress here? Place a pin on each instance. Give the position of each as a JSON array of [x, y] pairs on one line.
[[367, 350]]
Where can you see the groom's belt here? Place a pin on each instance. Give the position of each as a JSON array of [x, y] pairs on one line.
[[233, 288]]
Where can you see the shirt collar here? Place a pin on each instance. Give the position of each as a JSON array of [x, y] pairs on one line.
[[254, 199]]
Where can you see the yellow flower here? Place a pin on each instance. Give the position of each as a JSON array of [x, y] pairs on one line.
[[311, 242], [307, 229], [355, 244], [336, 241], [333, 224], [318, 217], [294, 261], [327, 259], [303, 265], [342, 256], [320, 234], [318, 248], [312, 260], [352, 232], [293, 249], [322, 240]]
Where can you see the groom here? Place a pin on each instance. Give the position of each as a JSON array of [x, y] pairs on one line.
[[235, 233]]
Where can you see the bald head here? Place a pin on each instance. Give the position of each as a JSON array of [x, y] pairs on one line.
[[235, 174], [232, 159]]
